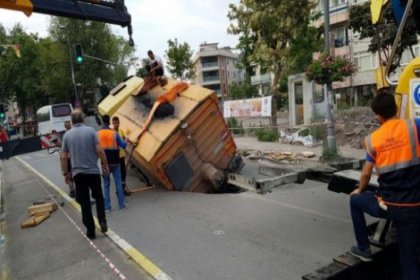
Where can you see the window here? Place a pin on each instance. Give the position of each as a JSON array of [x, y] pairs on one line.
[[334, 3], [299, 93], [43, 114], [365, 61], [61, 110], [406, 56], [340, 37]]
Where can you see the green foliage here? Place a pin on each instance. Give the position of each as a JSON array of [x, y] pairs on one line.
[[20, 77], [327, 153], [382, 34], [98, 41], [266, 135], [242, 90], [328, 69], [307, 41], [272, 25], [142, 72], [179, 60], [246, 46], [43, 73], [235, 126]]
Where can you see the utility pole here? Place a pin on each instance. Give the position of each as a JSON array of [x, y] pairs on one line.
[[73, 80], [331, 144]]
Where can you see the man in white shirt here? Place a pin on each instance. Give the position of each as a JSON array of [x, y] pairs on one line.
[[156, 65]]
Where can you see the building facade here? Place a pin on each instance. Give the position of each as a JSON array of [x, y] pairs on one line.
[[358, 89], [215, 68]]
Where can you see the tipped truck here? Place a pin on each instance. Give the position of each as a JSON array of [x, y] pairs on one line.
[[184, 145]]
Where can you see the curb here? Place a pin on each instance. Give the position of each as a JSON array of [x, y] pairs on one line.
[[4, 270], [140, 259]]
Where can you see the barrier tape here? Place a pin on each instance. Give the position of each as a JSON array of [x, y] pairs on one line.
[[141, 260], [98, 251]]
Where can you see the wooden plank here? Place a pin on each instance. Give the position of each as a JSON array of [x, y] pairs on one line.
[[141, 189], [34, 220], [42, 208]]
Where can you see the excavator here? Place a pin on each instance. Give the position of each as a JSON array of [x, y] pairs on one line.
[[407, 96]]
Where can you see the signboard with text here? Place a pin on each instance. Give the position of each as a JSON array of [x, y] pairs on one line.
[[254, 107], [415, 98]]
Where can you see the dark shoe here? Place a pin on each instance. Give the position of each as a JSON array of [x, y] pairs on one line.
[[72, 194], [91, 235], [363, 255], [104, 227]]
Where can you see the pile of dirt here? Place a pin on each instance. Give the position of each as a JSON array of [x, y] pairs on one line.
[[353, 125]]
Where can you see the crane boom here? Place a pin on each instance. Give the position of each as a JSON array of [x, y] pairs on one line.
[[108, 11]]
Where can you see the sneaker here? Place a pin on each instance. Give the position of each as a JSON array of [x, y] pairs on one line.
[[364, 255], [104, 227]]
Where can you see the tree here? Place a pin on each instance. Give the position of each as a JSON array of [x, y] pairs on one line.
[[307, 41], [274, 23], [98, 41], [383, 33], [142, 71], [242, 90], [20, 77], [179, 60]]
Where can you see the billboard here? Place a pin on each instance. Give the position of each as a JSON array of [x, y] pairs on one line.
[[254, 107]]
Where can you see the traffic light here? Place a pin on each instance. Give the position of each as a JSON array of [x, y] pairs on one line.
[[2, 112], [79, 53]]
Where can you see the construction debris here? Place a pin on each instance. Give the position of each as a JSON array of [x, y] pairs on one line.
[[279, 155], [38, 213]]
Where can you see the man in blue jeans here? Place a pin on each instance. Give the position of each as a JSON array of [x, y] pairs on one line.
[[394, 150], [110, 141]]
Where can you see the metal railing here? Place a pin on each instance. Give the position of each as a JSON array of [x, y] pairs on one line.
[[261, 79], [209, 64]]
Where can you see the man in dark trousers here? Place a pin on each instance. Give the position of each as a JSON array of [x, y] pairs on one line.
[[82, 143], [394, 151]]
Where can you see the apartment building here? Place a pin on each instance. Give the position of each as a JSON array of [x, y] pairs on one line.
[[215, 68], [360, 87]]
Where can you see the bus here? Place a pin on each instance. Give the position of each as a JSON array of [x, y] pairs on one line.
[[51, 118]]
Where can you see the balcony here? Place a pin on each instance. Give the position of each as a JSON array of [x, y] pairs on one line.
[[261, 79], [206, 65]]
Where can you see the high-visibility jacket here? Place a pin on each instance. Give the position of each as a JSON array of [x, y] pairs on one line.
[[108, 141], [396, 151]]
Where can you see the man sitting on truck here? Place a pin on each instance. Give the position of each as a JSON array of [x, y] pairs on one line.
[[394, 150]]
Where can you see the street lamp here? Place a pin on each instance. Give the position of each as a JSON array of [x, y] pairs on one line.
[[73, 80]]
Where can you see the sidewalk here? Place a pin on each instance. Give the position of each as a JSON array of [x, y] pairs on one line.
[[252, 144], [54, 249]]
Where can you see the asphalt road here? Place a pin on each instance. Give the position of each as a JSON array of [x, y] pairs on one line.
[[281, 235]]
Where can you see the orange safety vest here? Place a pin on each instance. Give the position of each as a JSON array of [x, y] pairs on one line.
[[108, 141], [396, 151]]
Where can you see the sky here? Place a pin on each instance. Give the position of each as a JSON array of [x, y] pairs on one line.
[[154, 23]]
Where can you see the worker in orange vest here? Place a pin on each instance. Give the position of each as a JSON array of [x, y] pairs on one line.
[[394, 150], [110, 141]]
